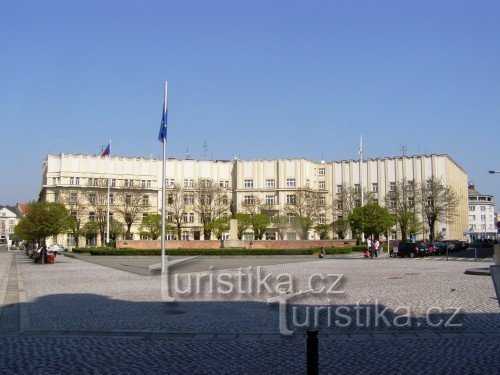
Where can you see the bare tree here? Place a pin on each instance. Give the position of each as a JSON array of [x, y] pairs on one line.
[[306, 205], [131, 202], [97, 201], [280, 224], [402, 200], [439, 203], [211, 202], [76, 204], [177, 202]]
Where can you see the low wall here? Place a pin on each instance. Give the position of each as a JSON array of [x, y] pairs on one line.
[[258, 244]]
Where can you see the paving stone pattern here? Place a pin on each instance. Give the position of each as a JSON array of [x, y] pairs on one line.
[[91, 319]]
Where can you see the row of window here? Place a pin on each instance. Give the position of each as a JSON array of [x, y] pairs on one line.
[[290, 182], [113, 182], [482, 208], [483, 217], [73, 199]]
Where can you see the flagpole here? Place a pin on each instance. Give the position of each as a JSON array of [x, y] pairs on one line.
[[361, 178], [164, 172], [107, 213]]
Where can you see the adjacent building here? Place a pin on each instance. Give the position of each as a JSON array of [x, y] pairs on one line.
[[481, 215], [10, 216], [272, 184]]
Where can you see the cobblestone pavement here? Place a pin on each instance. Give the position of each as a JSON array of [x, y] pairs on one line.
[[93, 319]]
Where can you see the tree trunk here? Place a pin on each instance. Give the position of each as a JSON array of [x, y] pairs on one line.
[[179, 231]]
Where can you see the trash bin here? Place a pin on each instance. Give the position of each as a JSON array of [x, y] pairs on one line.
[[51, 258]]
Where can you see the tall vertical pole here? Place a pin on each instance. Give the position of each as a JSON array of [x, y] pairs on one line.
[[163, 175], [361, 179], [107, 212]]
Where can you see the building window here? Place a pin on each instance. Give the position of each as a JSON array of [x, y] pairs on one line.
[[290, 199], [357, 188], [473, 226], [322, 185], [271, 216], [128, 199], [170, 217], [428, 184], [145, 200], [73, 215], [143, 183], [91, 216], [188, 183], [248, 199], [483, 208], [321, 171], [71, 180], [472, 217], [191, 217], [170, 199], [483, 217], [270, 183], [472, 208], [113, 182], [248, 183], [290, 217], [392, 186], [271, 199], [169, 182], [71, 239], [225, 200], [72, 198], [357, 203], [270, 236], [375, 188], [290, 182], [224, 184], [185, 235], [111, 198], [184, 217], [92, 198], [339, 206], [125, 182], [339, 189], [411, 186], [411, 202], [188, 199], [322, 218], [290, 236], [322, 201], [248, 236]]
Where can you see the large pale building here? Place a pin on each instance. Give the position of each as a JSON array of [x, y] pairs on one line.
[[274, 183], [481, 215]]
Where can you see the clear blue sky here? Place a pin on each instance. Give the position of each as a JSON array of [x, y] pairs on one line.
[[258, 79]]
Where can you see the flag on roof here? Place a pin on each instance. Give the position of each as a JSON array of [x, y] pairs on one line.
[[107, 150]]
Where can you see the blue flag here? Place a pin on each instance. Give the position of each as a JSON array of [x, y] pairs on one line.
[[162, 135]]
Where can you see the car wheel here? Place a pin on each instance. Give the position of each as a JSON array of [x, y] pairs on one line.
[[412, 255]]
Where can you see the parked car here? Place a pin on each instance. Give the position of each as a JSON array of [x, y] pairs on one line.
[[439, 248], [56, 249], [412, 249]]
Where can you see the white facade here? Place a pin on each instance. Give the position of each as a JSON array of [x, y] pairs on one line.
[[9, 216], [481, 215], [272, 181]]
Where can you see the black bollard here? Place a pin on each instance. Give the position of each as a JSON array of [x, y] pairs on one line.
[[312, 353]]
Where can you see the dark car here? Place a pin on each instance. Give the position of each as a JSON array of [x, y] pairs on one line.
[[439, 248], [412, 249]]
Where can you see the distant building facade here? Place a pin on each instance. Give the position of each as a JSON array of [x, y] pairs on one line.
[[273, 184], [481, 215], [9, 216]]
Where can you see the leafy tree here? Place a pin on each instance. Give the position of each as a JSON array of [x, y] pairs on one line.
[[244, 222], [218, 227], [371, 220], [116, 229], [306, 206], [439, 203], [323, 231], [43, 219], [260, 222], [151, 226], [340, 227], [90, 229], [402, 201]]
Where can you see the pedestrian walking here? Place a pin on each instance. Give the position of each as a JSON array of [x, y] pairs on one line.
[[376, 246]]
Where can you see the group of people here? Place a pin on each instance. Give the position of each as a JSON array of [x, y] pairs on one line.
[[372, 249]]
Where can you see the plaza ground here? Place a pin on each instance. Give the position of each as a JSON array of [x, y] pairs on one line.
[[76, 315]]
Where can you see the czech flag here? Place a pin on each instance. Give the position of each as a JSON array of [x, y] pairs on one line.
[[107, 150]]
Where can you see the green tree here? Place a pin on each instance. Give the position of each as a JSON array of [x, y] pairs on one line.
[[340, 227], [218, 227], [90, 230], [323, 231], [151, 226], [371, 220], [43, 219], [439, 203], [260, 222], [244, 222], [116, 229]]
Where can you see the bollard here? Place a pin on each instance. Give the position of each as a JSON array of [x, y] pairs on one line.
[[446, 252], [312, 353], [475, 254]]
